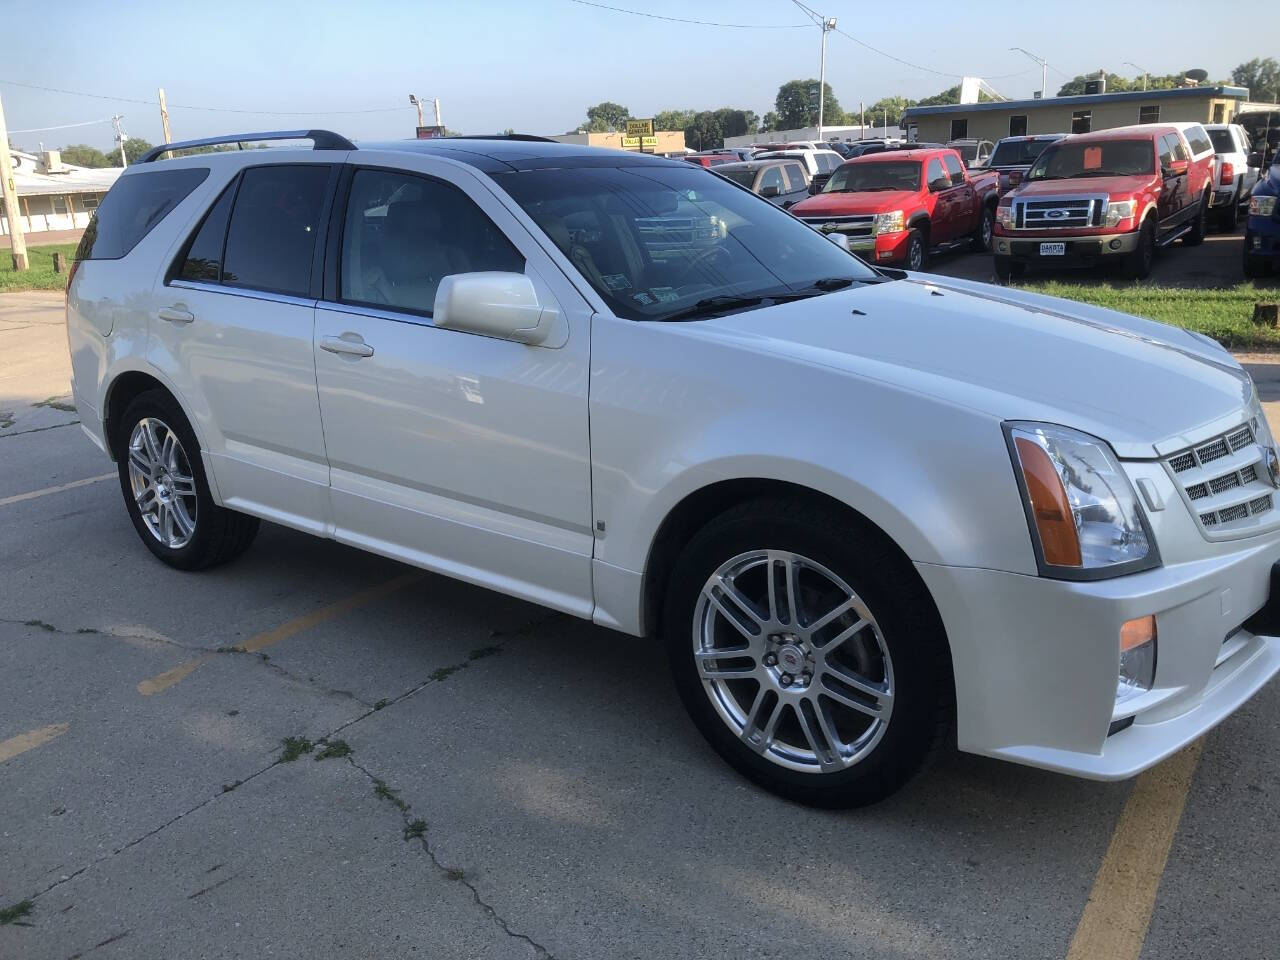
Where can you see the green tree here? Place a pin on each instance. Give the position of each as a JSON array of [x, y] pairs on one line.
[[769, 122], [893, 106], [606, 116], [83, 155], [794, 110], [1115, 84], [951, 95], [1261, 76], [673, 119], [134, 148]]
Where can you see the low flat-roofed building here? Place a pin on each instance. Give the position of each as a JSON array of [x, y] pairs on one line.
[[668, 141], [994, 119], [53, 195]]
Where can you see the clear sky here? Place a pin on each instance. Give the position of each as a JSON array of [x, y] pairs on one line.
[[536, 66]]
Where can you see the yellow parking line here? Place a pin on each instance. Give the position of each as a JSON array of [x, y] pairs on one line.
[[31, 495], [289, 628], [1115, 920], [30, 740]]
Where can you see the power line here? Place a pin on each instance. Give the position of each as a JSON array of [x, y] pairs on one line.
[[63, 126], [701, 23], [188, 106]]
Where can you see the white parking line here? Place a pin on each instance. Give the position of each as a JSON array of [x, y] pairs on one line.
[[19, 497]]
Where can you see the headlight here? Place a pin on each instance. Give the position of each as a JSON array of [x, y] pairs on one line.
[[890, 222], [1084, 516], [1258, 421], [1004, 213], [1118, 210], [1262, 206]]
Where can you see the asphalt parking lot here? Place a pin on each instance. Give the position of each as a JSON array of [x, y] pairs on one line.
[[1215, 263], [489, 779]]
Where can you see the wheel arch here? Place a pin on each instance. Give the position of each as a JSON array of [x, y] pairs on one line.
[[121, 391]]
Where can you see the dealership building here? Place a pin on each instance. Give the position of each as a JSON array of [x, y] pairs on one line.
[[1080, 114]]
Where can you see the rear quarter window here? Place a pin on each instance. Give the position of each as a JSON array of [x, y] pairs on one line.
[[1198, 140], [133, 207]]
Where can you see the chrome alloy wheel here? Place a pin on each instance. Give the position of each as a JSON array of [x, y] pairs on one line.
[[162, 483], [793, 661]]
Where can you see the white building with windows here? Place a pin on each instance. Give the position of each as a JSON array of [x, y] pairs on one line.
[[53, 195]]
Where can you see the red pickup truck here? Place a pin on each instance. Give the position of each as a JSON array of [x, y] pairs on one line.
[[901, 205], [1108, 197]]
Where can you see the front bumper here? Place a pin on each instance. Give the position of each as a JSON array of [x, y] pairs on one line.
[[1036, 660], [882, 248], [1079, 250], [1262, 237]]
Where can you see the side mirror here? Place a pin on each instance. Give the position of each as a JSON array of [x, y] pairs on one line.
[[502, 305], [1254, 159], [1178, 167], [772, 190], [938, 184], [840, 240], [815, 187]]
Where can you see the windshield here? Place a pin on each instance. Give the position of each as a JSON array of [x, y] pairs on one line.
[[1018, 153], [1222, 141], [744, 177], [655, 241], [967, 151], [1108, 158], [861, 177]]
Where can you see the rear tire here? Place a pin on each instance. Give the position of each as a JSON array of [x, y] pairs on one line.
[[1229, 217], [1200, 225], [166, 491], [1137, 265], [980, 240], [1008, 269], [811, 736]]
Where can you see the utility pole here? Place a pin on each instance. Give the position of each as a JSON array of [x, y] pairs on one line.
[[436, 103], [828, 24], [17, 242], [417, 103], [1044, 70], [164, 117], [1130, 63], [862, 119], [120, 137]]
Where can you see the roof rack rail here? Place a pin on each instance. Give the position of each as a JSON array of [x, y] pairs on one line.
[[323, 140], [501, 136]]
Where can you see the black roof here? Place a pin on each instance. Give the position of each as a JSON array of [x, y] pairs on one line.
[[504, 155]]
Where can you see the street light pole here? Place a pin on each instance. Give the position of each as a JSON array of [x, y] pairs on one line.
[[417, 102], [828, 24], [1044, 70], [1130, 63]]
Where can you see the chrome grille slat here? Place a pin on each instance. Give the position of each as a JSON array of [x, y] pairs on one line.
[[1224, 480]]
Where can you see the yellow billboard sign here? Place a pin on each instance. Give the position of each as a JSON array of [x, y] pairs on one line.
[[640, 128]]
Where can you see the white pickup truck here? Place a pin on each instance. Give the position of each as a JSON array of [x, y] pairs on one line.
[[1233, 176]]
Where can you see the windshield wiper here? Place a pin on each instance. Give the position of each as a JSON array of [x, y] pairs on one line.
[[709, 305]]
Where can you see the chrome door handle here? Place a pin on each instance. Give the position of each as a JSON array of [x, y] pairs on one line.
[[175, 315], [345, 347]]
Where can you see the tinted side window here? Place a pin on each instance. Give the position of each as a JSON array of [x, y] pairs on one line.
[[772, 177], [272, 237], [203, 260], [1166, 150], [1179, 149], [935, 172], [795, 176], [404, 234], [954, 170], [1199, 140], [133, 207]]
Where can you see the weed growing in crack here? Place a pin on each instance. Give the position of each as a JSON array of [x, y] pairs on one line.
[[229, 650], [85, 630], [444, 673], [415, 830], [381, 703], [228, 787], [334, 748], [482, 652], [15, 913], [294, 747], [53, 403], [456, 873], [47, 627], [384, 792]]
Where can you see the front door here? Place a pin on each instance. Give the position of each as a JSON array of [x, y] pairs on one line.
[[234, 330], [1173, 190], [458, 452]]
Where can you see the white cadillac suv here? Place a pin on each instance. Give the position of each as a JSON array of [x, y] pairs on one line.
[[863, 510]]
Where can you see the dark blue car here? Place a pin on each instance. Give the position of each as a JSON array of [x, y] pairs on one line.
[[1262, 233]]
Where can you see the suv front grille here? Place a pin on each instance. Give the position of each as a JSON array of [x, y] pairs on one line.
[[1059, 213], [852, 226], [1221, 477]]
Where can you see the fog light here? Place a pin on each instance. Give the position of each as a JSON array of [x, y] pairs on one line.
[[1115, 244], [885, 255], [1137, 657]]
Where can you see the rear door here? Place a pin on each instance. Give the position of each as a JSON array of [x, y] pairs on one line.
[[455, 451], [235, 333], [961, 208]]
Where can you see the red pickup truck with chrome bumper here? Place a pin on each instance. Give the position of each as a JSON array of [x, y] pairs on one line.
[[898, 206], [1111, 196]]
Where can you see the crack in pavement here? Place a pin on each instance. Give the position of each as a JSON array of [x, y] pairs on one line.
[[23, 433], [454, 874]]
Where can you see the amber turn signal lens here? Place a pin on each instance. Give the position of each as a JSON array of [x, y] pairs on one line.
[[1134, 633], [1054, 521]]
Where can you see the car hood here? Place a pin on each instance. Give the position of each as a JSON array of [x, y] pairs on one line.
[[1109, 185], [852, 204], [1145, 387]]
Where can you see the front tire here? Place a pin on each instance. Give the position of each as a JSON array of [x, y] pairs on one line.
[[917, 250], [1137, 265], [1008, 269], [166, 492], [807, 653], [1255, 268]]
